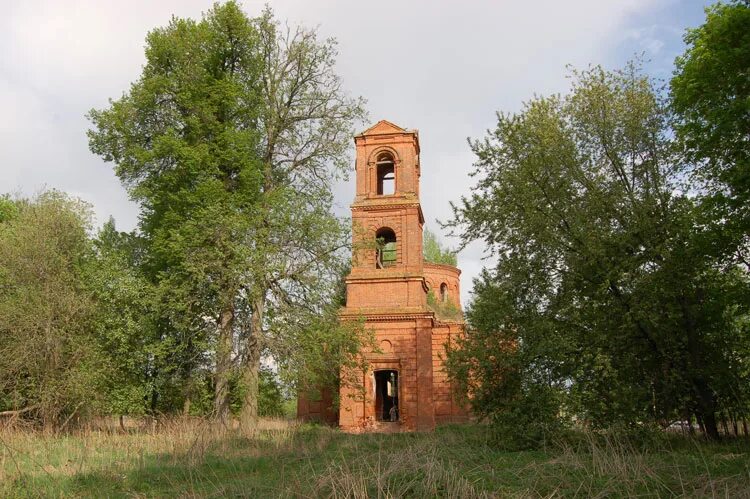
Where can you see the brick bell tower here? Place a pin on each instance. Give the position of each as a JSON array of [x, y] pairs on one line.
[[386, 285], [387, 222], [412, 307]]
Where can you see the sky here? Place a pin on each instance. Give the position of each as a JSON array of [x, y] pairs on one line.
[[442, 67]]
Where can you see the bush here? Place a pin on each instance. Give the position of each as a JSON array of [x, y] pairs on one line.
[[529, 421]]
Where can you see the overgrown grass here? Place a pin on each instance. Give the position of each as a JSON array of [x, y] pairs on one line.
[[282, 459]]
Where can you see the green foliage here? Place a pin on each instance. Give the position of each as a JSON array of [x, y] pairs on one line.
[[8, 208], [327, 352], [50, 362], [270, 395], [711, 97], [271, 398], [184, 141], [528, 420], [229, 140], [443, 310], [504, 378], [434, 252], [601, 283], [124, 322]]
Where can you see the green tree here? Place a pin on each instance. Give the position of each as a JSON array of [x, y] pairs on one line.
[[230, 140], [184, 141], [50, 363], [434, 252], [124, 320], [306, 123], [711, 98], [600, 289]]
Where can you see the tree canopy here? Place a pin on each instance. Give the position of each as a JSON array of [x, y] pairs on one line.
[[711, 96], [602, 299], [230, 140]]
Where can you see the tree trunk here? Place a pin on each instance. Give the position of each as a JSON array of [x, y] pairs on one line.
[[705, 399], [706, 408], [711, 428], [154, 398], [251, 369], [223, 366]]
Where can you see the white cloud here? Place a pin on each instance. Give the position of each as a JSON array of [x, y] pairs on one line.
[[441, 67], [650, 38]]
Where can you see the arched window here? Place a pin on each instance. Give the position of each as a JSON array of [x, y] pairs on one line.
[[385, 254], [443, 292], [386, 174]]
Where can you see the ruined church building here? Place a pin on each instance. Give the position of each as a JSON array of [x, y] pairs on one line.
[[398, 294]]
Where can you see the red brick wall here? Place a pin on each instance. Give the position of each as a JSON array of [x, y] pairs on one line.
[[448, 407], [318, 407], [436, 274]]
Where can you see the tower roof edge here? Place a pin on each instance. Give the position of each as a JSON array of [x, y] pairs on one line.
[[384, 127]]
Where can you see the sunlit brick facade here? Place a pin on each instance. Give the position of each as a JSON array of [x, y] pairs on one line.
[[405, 387]]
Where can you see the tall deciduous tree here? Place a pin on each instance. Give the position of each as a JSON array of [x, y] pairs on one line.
[[306, 124], [231, 140], [600, 287], [184, 141]]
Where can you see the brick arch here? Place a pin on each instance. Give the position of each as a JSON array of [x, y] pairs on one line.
[[372, 169], [386, 346], [444, 292], [384, 226], [380, 225], [372, 159], [397, 233]]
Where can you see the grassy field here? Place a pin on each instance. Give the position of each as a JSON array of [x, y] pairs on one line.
[[281, 459]]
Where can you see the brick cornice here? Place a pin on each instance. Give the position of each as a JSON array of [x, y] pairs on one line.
[[442, 266], [383, 275], [385, 203], [384, 316], [449, 322]]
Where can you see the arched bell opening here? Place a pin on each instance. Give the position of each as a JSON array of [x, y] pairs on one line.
[[385, 252], [386, 174]]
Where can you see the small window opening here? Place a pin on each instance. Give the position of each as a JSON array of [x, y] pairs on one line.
[[386, 175], [385, 254], [444, 292], [386, 396]]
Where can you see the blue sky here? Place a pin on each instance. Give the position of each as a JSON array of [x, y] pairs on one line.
[[658, 32], [441, 67]]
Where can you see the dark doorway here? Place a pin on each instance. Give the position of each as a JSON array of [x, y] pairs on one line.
[[386, 395]]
